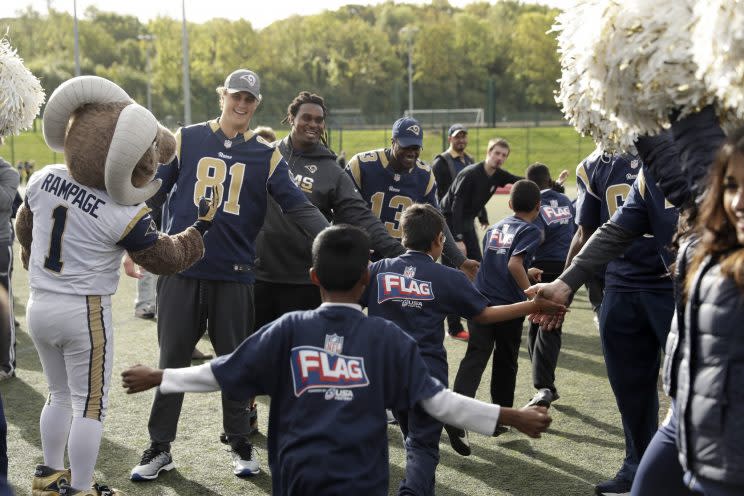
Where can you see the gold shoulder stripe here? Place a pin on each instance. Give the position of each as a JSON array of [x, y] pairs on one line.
[[356, 171], [432, 182], [584, 177], [383, 157], [143, 211], [641, 184], [276, 157], [178, 144], [214, 125], [248, 135]]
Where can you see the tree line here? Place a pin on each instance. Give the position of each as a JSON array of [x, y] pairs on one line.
[[495, 56]]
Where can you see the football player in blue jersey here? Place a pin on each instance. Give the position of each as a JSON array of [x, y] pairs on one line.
[[219, 155], [508, 249], [556, 222], [416, 293], [392, 179], [331, 372], [638, 303]]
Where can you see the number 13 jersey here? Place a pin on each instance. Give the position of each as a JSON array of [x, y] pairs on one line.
[[80, 234]]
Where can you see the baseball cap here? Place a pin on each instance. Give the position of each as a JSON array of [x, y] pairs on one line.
[[243, 80], [408, 132], [456, 128]]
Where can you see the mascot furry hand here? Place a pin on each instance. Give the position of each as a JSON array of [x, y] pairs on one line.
[[112, 144]]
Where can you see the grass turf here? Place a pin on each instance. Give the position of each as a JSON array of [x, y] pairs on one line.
[[583, 446]]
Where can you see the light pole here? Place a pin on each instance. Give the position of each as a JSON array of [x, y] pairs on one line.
[[186, 79], [77, 38], [148, 38], [409, 32]]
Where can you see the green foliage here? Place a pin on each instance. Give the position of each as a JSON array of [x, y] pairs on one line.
[[355, 56]]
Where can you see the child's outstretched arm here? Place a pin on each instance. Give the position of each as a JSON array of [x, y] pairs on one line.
[[468, 413], [197, 379], [539, 305]]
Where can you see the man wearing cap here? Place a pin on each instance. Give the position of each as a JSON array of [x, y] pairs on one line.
[[221, 155], [446, 166], [392, 179]]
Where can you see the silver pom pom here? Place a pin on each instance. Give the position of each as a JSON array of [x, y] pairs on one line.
[[21, 94], [718, 51]]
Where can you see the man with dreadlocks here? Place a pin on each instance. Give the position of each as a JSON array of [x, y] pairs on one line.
[[283, 249]]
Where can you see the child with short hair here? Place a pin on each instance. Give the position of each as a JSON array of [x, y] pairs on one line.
[[508, 249], [331, 373], [416, 293]]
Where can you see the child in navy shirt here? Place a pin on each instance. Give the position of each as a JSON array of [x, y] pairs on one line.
[[331, 373], [416, 293], [508, 249]]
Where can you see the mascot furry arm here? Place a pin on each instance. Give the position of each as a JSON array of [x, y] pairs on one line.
[[112, 144]]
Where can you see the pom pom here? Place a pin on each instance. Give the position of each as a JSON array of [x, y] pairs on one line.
[[635, 68], [718, 51], [21, 94]]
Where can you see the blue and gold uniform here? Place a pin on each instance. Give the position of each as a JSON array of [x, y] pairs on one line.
[[246, 173], [636, 313], [389, 192]]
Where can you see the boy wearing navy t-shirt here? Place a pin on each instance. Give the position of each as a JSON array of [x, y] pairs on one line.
[[416, 293], [508, 249], [331, 373]]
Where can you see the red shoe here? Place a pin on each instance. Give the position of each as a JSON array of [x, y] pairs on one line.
[[462, 335]]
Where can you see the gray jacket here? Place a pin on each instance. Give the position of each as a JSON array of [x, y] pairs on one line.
[[9, 180], [283, 250], [704, 372]]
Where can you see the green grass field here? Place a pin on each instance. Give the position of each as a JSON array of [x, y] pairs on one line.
[[558, 147], [583, 446]]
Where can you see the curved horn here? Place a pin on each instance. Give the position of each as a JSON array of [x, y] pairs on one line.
[[69, 96], [135, 132]]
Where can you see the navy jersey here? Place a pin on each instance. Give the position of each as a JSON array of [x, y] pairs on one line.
[[387, 192], [417, 294], [604, 183], [245, 172], [647, 211], [331, 373], [509, 237], [556, 221]]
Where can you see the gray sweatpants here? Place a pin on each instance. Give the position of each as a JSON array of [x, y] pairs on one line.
[[185, 305], [8, 335]]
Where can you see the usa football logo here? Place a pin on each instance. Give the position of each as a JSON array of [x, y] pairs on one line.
[[316, 368], [553, 215], [500, 239], [392, 286]]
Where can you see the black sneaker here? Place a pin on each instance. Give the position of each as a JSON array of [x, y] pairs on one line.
[[458, 439], [618, 486], [153, 462], [543, 397]]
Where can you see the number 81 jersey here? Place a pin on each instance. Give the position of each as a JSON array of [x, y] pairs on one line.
[[80, 234]]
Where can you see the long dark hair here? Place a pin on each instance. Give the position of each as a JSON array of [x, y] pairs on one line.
[[717, 234], [302, 98]]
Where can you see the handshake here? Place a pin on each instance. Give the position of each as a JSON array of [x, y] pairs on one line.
[[548, 297]]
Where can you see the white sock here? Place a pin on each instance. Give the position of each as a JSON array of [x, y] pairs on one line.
[[82, 447], [54, 425]]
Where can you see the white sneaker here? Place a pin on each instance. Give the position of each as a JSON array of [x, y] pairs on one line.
[[244, 460], [153, 462]]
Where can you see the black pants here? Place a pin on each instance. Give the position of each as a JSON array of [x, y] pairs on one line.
[[472, 247], [8, 334], [503, 340], [544, 347], [274, 299], [184, 304]]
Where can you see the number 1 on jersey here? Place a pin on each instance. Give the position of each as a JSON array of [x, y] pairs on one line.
[[53, 261]]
